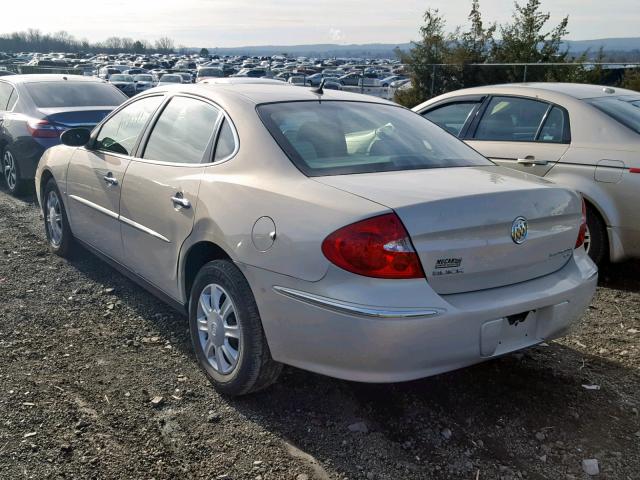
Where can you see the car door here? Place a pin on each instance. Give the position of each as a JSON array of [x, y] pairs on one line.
[[96, 173], [521, 133], [160, 192]]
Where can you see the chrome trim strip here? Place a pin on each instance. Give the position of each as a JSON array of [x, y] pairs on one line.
[[354, 308], [86, 202], [144, 229]]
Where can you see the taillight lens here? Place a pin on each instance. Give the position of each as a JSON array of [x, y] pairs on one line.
[[377, 247], [583, 226], [42, 129]]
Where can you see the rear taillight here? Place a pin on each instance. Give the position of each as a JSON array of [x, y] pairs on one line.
[[42, 129], [377, 247], [583, 226], [634, 170]]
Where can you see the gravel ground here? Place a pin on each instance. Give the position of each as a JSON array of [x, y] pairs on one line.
[[97, 380]]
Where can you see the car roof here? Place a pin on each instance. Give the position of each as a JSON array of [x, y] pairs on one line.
[[258, 93], [50, 77], [575, 90]]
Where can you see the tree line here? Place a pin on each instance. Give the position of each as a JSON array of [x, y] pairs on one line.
[[441, 62], [34, 40]]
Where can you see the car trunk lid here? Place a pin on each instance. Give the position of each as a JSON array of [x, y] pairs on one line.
[[460, 221], [75, 117]]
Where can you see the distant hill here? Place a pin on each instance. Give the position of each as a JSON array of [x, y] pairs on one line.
[[609, 44], [369, 50], [386, 50]]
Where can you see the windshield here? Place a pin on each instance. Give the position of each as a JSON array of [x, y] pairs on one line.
[[336, 138], [121, 78], [171, 79], [625, 109], [143, 78], [210, 72], [74, 94]]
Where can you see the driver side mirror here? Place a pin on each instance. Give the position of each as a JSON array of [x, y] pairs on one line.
[[75, 137]]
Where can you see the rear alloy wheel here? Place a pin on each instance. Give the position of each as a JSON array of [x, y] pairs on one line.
[[56, 224], [596, 242], [11, 173], [226, 331]]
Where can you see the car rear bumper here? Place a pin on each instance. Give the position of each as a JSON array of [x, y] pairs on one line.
[[363, 341]]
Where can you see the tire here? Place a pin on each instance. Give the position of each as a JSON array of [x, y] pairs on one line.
[[598, 244], [59, 236], [216, 337], [11, 173]]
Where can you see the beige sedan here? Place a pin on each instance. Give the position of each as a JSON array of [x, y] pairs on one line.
[[586, 137], [326, 230]]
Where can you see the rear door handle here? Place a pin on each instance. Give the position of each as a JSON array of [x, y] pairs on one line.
[[110, 179], [531, 160], [179, 200]]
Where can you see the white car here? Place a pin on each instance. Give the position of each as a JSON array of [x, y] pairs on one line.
[[586, 137]]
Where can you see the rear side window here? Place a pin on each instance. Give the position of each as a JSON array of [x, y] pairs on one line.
[[624, 109], [339, 137], [553, 128], [451, 117], [183, 131], [67, 93], [511, 119], [226, 142], [120, 133], [13, 99], [5, 93]]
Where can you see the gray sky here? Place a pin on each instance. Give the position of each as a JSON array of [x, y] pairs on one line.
[[228, 23]]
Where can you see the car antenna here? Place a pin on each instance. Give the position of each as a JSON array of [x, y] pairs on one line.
[[320, 89]]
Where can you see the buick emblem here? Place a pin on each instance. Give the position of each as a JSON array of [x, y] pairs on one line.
[[519, 230]]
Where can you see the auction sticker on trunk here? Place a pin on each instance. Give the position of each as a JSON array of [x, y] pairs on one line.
[[448, 266]]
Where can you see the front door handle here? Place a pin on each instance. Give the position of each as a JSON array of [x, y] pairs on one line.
[[530, 160], [179, 201], [110, 179]]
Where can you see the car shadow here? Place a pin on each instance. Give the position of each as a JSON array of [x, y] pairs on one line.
[[621, 276], [491, 409]]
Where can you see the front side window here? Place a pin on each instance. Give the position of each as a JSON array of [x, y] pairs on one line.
[[120, 133], [335, 137], [451, 117], [624, 109], [511, 119], [68, 93], [183, 131]]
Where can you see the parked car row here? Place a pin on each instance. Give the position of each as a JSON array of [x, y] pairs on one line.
[[337, 72], [422, 255]]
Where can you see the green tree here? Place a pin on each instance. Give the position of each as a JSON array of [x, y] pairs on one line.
[[527, 40], [204, 53]]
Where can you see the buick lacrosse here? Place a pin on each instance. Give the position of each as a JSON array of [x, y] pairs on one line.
[[335, 232]]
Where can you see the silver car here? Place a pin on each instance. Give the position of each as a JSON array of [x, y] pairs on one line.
[[586, 137], [331, 231]]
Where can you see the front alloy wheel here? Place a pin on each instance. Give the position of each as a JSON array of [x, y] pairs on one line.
[[56, 224], [54, 218]]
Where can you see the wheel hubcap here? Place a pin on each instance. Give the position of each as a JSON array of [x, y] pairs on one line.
[[587, 239], [218, 329], [54, 219], [10, 174]]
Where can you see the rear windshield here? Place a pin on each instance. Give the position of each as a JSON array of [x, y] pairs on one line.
[[210, 72], [625, 109], [337, 138], [74, 94]]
